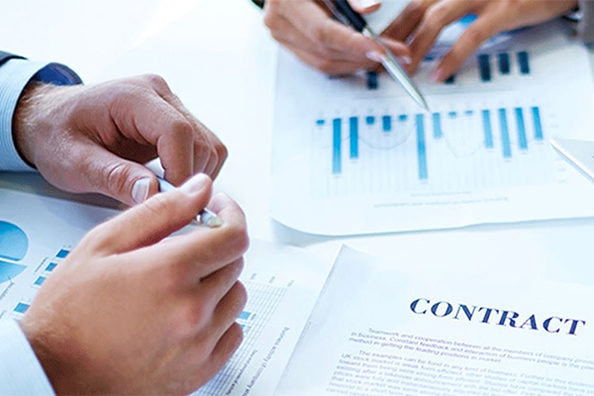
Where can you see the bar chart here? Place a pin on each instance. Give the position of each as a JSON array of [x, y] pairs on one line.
[[41, 272], [490, 67], [480, 154], [482, 147]]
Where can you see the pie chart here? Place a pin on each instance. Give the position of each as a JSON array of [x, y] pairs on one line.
[[13, 248]]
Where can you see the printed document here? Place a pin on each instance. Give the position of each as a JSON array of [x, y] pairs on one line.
[[358, 156], [37, 233], [381, 328]]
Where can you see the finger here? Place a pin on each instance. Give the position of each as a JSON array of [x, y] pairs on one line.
[[111, 175], [484, 27], [228, 309], [215, 286], [332, 67], [212, 248], [160, 124], [323, 58], [153, 220], [436, 18], [365, 6], [92, 168], [225, 347], [209, 153], [405, 23], [314, 23], [398, 49]]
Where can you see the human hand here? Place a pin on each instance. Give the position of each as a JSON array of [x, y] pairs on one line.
[[130, 313], [306, 28], [422, 20], [95, 138]]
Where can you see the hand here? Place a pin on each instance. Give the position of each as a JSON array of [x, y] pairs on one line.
[[129, 312], [96, 138], [306, 28], [422, 21]]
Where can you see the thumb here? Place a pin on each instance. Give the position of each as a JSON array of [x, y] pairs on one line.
[[155, 219], [365, 6], [127, 181]]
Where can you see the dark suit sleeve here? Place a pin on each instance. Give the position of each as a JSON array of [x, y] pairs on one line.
[[5, 56]]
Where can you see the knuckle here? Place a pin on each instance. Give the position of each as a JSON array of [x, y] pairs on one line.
[[238, 237], [116, 176], [173, 277], [436, 15], [96, 239], [182, 128], [192, 315], [326, 66], [157, 81], [321, 34], [271, 19], [473, 37], [158, 205], [241, 297], [222, 152]]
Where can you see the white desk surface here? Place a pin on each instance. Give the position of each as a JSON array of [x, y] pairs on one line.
[[220, 60]]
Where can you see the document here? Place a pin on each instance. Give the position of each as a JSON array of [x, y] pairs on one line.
[[283, 283], [358, 156], [382, 328]]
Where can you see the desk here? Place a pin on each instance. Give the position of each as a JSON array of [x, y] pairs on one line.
[[220, 60]]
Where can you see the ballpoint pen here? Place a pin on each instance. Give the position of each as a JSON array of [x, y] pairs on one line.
[[342, 11], [206, 217]]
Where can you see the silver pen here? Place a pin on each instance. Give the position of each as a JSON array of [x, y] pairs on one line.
[[206, 217], [345, 14]]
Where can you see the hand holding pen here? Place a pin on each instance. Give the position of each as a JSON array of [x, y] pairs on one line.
[[308, 29], [344, 13]]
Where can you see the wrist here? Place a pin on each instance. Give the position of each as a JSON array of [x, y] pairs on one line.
[[22, 121], [36, 113]]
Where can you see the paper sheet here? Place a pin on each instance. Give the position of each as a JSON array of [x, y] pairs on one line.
[[384, 327], [355, 159], [283, 283]]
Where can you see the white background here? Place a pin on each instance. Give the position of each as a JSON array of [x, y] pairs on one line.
[[220, 60]]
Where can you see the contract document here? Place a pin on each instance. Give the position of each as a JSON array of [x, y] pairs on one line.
[[356, 155], [382, 328], [37, 233]]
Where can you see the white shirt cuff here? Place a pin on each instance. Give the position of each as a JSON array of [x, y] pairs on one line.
[[20, 371]]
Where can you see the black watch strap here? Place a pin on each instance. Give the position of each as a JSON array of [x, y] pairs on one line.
[[259, 3]]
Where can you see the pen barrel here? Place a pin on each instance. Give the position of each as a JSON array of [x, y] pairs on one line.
[[356, 20]]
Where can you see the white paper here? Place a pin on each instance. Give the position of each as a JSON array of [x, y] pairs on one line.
[[283, 283], [370, 338], [486, 159]]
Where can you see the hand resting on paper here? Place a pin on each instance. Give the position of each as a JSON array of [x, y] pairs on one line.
[[130, 313]]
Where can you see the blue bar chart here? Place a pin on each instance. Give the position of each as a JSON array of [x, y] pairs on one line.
[[421, 144], [490, 67]]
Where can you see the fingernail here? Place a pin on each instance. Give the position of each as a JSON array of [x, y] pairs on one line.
[[375, 56], [405, 59], [437, 76], [195, 184], [367, 3], [140, 190]]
